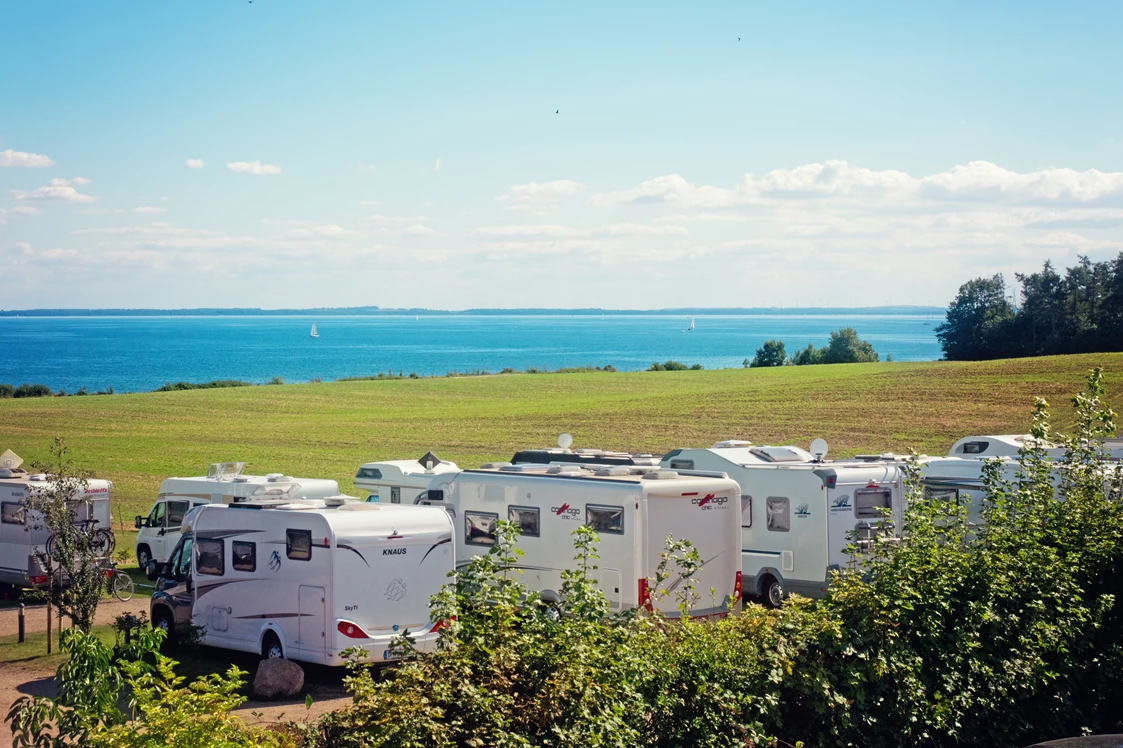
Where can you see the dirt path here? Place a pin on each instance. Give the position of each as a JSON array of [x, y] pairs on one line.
[[35, 616]]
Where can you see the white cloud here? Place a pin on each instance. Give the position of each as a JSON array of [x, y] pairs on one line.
[[542, 192], [194, 163], [553, 230], [252, 167], [367, 167], [22, 249], [22, 159], [147, 209], [326, 231], [379, 218], [19, 210], [419, 230], [58, 190], [982, 180], [437, 164]]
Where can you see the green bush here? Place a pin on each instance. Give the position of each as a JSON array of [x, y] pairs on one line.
[[216, 384], [771, 353], [32, 390], [7, 390], [672, 366]]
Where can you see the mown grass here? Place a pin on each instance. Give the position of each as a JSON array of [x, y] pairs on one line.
[[328, 429]]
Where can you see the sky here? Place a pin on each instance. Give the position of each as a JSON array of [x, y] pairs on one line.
[[278, 153]]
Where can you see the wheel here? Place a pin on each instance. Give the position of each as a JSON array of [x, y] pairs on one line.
[[271, 648], [50, 547], [143, 556], [162, 619], [773, 593], [122, 586], [102, 543]]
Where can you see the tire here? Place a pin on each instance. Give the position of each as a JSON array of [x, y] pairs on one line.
[[143, 556], [122, 586], [103, 543], [271, 648], [49, 547], [773, 593], [162, 619]]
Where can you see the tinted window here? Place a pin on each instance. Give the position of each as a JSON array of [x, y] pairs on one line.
[[11, 513], [871, 502], [372, 473], [479, 528], [210, 560], [527, 518], [243, 555], [181, 561], [779, 517], [156, 516], [176, 510], [298, 544], [605, 518], [682, 464], [746, 511]]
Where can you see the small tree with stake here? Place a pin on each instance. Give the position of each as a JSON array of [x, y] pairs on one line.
[[73, 566]]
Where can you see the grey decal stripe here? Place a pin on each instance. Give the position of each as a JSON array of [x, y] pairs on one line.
[[275, 615], [438, 543], [223, 534], [353, 550]]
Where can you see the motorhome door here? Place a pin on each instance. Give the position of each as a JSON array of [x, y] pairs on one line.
[[312, 616]]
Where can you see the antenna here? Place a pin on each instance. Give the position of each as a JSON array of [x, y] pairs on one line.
[[10, 460], [565, 441], [819, 449], [429, 461]]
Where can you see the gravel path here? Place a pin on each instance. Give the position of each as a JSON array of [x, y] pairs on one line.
[[35, 616]]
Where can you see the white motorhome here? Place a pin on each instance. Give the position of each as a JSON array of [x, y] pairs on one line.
[[224, 483], [306, 579], [1009, 445], [19, 540], [633, 509], [797, 510], [389, 480]]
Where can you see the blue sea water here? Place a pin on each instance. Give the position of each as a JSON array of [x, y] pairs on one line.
[[133, 354]]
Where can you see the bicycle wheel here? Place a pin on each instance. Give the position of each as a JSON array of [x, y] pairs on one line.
[[50, 547], [103, 543], [122, 586]]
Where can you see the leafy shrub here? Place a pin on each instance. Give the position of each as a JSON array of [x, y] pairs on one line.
[[771, 353], [276, 380], [216, 384], [7, 390], [32, 390], [668, 366]]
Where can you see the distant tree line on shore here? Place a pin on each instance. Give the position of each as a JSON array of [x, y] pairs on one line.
[[844, 347], [1080, 311]]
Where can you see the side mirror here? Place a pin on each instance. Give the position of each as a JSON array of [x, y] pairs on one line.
[[152, 571], [138, 522]]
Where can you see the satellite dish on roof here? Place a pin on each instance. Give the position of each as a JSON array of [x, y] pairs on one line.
[[565, 441], [10, 460], [429, 461], [819, 448]]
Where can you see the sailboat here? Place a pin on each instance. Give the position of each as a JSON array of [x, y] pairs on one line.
[[314, 334], [691, 324]]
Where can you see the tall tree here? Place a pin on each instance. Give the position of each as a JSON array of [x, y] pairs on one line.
[[978, 321], [769, 354], [845, 347]]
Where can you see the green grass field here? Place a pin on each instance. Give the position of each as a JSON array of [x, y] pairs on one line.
[[327, 430]]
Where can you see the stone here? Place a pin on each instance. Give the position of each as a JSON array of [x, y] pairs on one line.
[[278, 679]]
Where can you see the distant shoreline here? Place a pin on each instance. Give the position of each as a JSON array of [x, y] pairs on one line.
[[374, 311]]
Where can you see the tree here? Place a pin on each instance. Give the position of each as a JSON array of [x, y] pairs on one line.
[[978, 323], [769, 354], [845, 347], [76, 552], [807, 356]]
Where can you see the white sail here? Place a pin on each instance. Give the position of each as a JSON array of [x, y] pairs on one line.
[[691, 324], [314, 334]]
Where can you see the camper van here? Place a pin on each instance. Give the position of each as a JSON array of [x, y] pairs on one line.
[[389, 481], [19, 540], [305, 580], [798, 510], [633, 509], [224, 483], [1009, 445]]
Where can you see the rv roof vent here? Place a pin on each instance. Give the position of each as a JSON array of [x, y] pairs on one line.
[[731, 444], [523, 468], [565, 469], [782, 454], [5, 472], [225, 470], [494, 465], [241, 479], [37, 477], [278, 478], [296, 506], [660, 475], [617, 470], [339, 500], [359, 506]]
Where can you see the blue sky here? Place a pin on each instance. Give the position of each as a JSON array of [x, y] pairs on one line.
[[354, 153]]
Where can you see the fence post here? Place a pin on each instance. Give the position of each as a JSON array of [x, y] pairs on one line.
[[21, 623]]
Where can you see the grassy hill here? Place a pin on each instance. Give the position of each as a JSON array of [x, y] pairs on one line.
[[327, 430]]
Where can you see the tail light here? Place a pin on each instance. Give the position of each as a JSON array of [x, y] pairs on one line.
[[441, 624], [737, 588], [351, 630], [644, 595], [37, 580]]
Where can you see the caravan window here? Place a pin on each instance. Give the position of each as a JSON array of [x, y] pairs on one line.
[[11, 513], [373, 473], [298, 544], [156, 516], [395, 495], [950, 495], [682, 464], [526, 518], [779, 517], [176, 510], [871, 502], [479, 528], [243, 555], [605, 518], [746, 511], [210, 559]]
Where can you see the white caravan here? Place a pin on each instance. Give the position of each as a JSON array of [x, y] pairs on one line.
[[797, 510], [306, 579], [224, 483], [19, 541], [1009, 445], [387, 481], [633, 509]]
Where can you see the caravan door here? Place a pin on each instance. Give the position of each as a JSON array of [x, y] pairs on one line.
[[312, 617]]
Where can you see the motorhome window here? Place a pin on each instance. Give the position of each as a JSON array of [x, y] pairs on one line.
[[605, 518], [395, 495], [746, 511], [176, 510], [181, 562], [156, 516], [950, 495], [526, 518], [975, 448], [479, 528], [871, 502], [11, 513], [682, 464], [372, 473], [243, 555], [210, 559], [779, 516], [298, 544]]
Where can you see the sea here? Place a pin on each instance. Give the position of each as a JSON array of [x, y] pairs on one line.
[[133, 354]]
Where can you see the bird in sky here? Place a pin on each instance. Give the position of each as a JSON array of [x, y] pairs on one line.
[[738, 38], [557, 111]]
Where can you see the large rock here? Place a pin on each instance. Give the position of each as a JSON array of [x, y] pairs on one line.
[[278, 679]]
